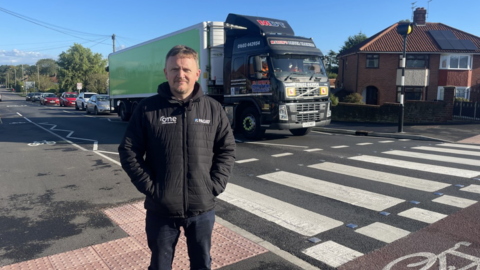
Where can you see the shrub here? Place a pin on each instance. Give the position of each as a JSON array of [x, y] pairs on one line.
[[334, 100], [332, 75], [461, 99], [353, 98]]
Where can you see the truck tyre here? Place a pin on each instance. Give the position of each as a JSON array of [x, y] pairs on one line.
[[250, 124], [124, 115], [300, 131]]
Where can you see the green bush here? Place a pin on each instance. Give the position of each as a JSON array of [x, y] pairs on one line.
[[334, 100], [461, 99], [353, 98], [332, 75]]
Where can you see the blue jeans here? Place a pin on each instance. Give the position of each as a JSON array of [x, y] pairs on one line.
[[163, 234]]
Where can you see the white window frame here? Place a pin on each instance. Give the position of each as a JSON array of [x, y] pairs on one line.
[[466, 91], [447, 57]]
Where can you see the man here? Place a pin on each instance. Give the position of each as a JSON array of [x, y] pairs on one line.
[[189, 152]]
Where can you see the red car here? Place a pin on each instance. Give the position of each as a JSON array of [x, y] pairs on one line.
[[68, 99], [49, 99]]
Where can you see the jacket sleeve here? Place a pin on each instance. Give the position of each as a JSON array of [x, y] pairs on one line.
[[132, 150], [223, 154]]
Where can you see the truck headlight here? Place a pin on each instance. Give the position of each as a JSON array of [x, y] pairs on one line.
[[282, 112]]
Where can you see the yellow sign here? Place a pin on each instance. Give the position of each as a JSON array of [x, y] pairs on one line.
[[290, 91], [323, 90]]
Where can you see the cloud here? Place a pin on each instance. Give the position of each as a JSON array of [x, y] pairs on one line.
[[18, 57], [121, 47]]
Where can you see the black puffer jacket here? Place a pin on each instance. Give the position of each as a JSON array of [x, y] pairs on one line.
[[189, 152]]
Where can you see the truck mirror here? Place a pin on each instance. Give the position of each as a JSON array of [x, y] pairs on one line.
[[258, 75], [257, 64]]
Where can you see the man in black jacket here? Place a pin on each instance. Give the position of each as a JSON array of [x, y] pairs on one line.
[[179, 151]]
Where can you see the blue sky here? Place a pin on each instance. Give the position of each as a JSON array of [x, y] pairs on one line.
[[329, 23]]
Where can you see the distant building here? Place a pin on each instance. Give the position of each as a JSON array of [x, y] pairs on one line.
[[437, 55]]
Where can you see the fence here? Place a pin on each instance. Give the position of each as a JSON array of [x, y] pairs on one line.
[[466, 110]]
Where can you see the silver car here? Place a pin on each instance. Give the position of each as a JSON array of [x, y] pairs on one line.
[[98, 104]]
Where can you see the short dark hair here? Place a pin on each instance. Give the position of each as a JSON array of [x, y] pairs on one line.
[[182, 51]]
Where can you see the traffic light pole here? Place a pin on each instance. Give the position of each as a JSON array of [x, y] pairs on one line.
[[402, 85]]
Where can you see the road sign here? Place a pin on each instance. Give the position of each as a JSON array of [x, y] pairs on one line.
[[79, 86]]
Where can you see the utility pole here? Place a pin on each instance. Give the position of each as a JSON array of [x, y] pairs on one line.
[[23, 80], [113, 38], [404, 30], [38, 77]]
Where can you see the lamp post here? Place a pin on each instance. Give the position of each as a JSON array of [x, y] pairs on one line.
[[404, 30]]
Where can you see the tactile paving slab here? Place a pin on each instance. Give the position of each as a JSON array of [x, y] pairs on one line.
[[132, 252]]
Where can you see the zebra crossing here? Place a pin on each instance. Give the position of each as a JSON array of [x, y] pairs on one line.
[[308, 223]]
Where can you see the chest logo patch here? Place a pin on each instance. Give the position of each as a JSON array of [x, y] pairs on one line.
[[203, 121], [168, 120]]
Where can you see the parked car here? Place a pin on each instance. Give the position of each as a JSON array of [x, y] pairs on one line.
[[0, 97], [68, 99], [82, 100], [50, 99], [28, 97], [36, 96], [98, 104]]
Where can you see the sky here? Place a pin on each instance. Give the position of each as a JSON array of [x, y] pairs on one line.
[[33, 30]]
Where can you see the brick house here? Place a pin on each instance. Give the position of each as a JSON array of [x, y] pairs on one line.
[[437, 55]]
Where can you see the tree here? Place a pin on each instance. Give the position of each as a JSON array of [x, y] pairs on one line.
[[97, 83], [47, 66], [404, 21], [77, 64], [331, 59], [352, 41]]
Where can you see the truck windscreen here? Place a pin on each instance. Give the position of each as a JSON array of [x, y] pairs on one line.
[[285, 65]]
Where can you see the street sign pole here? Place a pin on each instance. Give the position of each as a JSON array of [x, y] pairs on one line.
[[404, 30]]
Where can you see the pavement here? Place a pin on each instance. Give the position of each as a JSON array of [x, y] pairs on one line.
[[235, 249]]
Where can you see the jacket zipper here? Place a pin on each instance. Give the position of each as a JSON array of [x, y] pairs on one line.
[[185, 162]]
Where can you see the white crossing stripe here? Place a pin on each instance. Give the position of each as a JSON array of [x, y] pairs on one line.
[[454, 201], [332, 253], [388, 178], [383, 232], [466, 161], [422, 215], [365, 143], [472, 188], [277, 144], [404, 140], [289, 216], [282, 155], [340, 146], [450, 151], [354, 196], [386, 141], [418, 166], [465, 146], [313, 150], [246, 160]]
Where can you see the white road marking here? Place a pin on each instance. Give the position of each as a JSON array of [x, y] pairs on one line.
[[450, 151], [330, 134], [388, 178], [19, 114], [422, 215], [466, 161], [465, 146], [386, 141], [383, 232], [289, 216], [313, 150], [417, 166], [365, 143], [354, 196], [472, 188], [332, 253], [246, 160], [339, 146], [405, 140], [282, 155], [113, 153], [276, 144], [454, 201]]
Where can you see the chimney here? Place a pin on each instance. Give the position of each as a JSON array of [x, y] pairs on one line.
[[419, 16]]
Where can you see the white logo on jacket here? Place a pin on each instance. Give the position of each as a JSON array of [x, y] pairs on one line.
[[203, 121], [168, 120]]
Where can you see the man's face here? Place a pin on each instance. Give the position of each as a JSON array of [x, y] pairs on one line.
[[181, 73]]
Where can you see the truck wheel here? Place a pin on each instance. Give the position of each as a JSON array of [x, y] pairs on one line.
[[250, 124], [300, 131], [124, 115]]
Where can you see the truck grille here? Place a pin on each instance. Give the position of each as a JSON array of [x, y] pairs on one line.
[[301, 90], [309, 112]]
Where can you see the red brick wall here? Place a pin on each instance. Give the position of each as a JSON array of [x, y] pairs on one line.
[[475, 81], [383, 78], [433, 77], [453, 77]]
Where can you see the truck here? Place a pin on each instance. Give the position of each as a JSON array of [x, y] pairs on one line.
[[264, 76]]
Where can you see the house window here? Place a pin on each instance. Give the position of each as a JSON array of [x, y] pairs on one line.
[[455, 61], [413, 93], [460, 92], [416, 61], [372, 61]]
